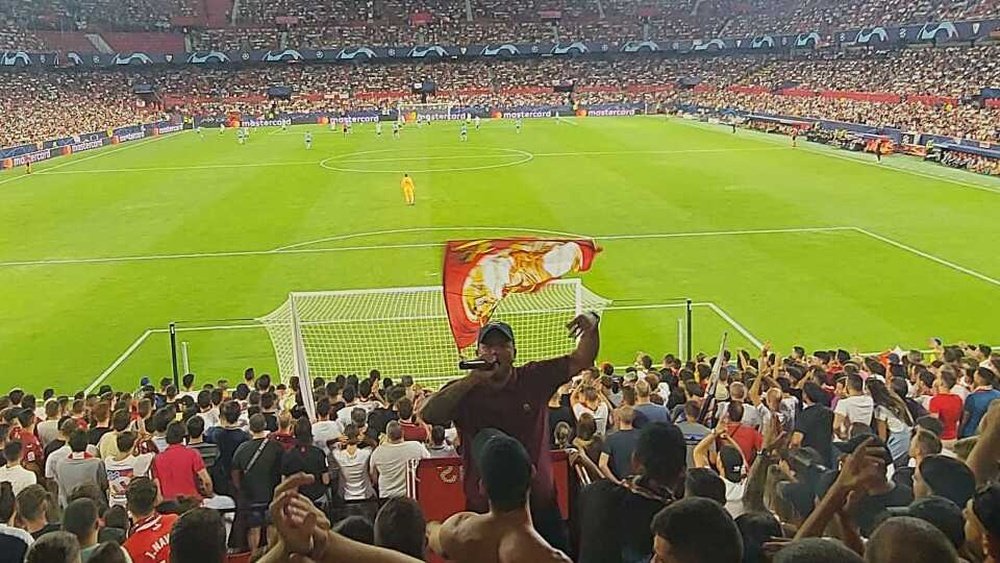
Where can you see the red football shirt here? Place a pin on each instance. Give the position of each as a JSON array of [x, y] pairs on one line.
[[177, 468], [749, 440], [520, 409], [32, 451], [413, 431], [948, 408], [149, 541]]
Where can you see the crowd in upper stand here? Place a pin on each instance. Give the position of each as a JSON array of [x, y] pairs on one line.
[[388, 22]]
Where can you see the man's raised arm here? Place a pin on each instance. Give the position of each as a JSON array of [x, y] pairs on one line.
[[440, 409], [585, 328]]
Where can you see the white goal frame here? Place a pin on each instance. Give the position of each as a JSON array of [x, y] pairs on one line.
[[405, 330]]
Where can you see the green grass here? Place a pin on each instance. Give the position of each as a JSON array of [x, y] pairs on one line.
[[62, 324]]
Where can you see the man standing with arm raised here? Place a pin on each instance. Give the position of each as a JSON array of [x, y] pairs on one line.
[[514, 400]]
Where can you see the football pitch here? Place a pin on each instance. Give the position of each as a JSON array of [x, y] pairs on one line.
[[100, 251]]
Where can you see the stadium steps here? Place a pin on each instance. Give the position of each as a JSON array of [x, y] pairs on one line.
[[99, 43], [153, 42], [65, 41]]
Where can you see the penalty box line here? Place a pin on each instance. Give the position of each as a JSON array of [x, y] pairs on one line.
[[131, 349], [295, 248]]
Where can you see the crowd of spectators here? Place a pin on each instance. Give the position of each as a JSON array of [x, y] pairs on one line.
[[409, 22], [733, 459], [42, 106], [67, 102], [13, 37], [126, 15], [961, 121], [944, 71]]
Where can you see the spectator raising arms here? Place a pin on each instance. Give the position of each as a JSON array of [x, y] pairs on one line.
[[514, 400]]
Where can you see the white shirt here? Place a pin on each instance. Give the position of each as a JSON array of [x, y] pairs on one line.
[[18, 477], [211, 417], [344, 414], [734, 497], [858, 408], [61, 454], [892, 422], [391, 461], [960, 390], [355, 482], [325, 430], [446, 450], [48, 430], [120, 474], [600, 416]]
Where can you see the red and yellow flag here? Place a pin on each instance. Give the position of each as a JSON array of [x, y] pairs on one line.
[[479, 273]]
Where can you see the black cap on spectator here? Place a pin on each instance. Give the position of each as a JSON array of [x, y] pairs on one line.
[[500, 327], [944, 514], [949, 478], [986, 506]]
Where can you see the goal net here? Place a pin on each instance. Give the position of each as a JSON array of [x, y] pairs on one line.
[[426, 112], [405, 331]]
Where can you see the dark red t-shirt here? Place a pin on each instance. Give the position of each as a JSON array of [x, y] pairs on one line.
[[176, 468], [520, 410], [413, 432], [949, 411], [32, 449]]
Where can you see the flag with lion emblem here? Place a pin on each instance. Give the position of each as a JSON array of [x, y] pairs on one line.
[[479, 273]]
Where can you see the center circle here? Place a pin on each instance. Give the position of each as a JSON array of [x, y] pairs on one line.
[[343, 163]]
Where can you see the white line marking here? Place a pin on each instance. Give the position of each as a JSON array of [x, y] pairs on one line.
[[277, 252], [121, 359], [931, 257], [666, 151], [426, 229], [423, 158], [101, 153], [570, 121], [723, 233], [739, 328], [346, 160], [184, 168]]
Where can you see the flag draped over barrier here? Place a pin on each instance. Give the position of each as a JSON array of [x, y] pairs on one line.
[[479, 273]]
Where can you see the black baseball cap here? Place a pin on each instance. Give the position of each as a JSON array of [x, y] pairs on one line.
[[498, 326], [986, 506], [944, 514]]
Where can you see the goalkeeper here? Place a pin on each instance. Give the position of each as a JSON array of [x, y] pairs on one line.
[[407, 185], [514, 399]]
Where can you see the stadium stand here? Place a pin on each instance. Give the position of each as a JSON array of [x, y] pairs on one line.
[[935, 79], [148, 42], [193, 436]]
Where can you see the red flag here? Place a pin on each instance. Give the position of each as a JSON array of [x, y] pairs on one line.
[[479, 273]]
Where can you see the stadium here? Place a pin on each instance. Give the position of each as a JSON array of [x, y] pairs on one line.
[[499, 280]]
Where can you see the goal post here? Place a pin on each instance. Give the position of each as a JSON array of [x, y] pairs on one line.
[[411, 112], [405, 331]]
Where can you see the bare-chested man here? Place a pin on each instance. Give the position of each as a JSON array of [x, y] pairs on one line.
[[504, 534]]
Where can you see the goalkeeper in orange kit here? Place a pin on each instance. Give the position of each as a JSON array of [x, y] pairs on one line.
[[407, 185]]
